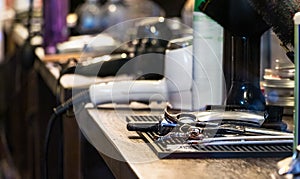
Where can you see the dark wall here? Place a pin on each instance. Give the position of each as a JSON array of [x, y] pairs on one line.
[[172, 7]]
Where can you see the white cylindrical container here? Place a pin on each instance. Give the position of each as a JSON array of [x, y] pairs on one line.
[[208, 85]]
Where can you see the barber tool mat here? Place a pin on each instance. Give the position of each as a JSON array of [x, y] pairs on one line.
[[211, 134]]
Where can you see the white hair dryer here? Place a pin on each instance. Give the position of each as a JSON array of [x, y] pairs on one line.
[[175, 87]]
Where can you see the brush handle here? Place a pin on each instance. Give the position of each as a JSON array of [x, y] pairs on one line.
[[143, 127]]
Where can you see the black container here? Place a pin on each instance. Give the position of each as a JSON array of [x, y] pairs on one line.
[[241, 51]]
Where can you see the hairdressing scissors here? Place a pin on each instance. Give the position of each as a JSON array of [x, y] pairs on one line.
[[214, 117]]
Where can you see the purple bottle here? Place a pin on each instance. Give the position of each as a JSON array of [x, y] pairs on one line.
[[55, 28]]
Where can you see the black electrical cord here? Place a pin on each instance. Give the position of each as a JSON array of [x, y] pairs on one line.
[[81, 97], [56, 115], [46, 143]]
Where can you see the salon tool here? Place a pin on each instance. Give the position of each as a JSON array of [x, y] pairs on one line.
[[243, 140], [231, 135], [175, 87], [160, 128], [210, 133], [240, 117], [184, 147], [208, 128], [239, 122], [206, 121], [212, 127]]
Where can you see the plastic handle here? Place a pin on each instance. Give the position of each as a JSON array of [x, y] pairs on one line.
[[142, 127], [127, 91]]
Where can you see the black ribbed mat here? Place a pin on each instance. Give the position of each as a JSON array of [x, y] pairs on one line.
[[178, 148]]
